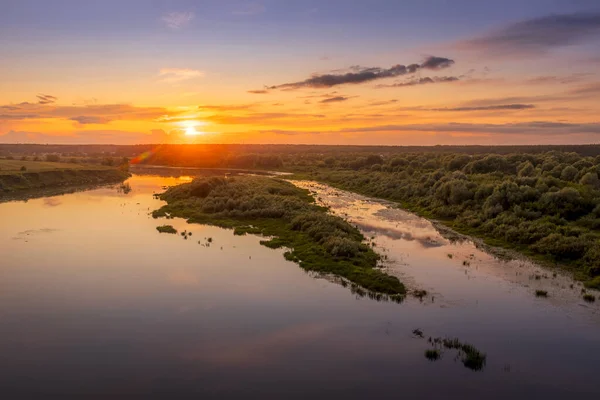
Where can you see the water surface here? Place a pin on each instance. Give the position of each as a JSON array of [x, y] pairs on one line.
[[95, 303]]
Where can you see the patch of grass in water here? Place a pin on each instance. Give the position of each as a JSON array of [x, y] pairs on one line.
[[471, 357], [590, 298], [541, 293], [166, 229], [433, 354]]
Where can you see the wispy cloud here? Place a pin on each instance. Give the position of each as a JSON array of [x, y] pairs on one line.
[[519, 128], [174, 75], [251, 8], [90, 119], [46, 99], [336, 99], [538, 35], [422, 81], [87, 114], [177, 19], [261, 91], [487, 108], [358, 74], [564, 80]]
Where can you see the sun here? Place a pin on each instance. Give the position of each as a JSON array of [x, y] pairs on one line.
[[191, 131], [190, 128]]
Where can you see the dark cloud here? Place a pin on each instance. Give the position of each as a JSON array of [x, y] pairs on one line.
[[336, 99], [262, 91], [422, 81], [358, 74], [488, 108], [46, 99], [90, 119], [437, 63], [538, 35]]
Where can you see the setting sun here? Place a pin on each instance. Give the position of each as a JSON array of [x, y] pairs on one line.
[[190, 128], [191, 131]]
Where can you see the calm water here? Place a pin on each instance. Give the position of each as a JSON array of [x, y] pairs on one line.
[[95, 303]]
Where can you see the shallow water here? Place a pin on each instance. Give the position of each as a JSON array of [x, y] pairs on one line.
[[95, 303]]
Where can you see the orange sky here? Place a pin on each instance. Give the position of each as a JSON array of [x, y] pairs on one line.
[[160, 82]]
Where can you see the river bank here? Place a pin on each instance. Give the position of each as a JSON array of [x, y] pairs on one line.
[[24, 179]]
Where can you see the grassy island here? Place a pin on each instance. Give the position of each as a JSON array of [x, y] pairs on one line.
[[315, 239]]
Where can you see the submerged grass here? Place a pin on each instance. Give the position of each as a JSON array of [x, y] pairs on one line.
[[470, 356], [433, 354], [317, 240], [166, 229], [590, 298]]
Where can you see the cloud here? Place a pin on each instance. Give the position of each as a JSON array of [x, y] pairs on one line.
[[263, 91], [230, 107], [541, 128], [87, 114], [177, 20], [538, 35], [251, 9], [18, 117], [91, 137], [531, 127], [437, 63], [90, 119], [564, 80], [422, 81], [358, 74], [487, 108], [336, 99], [174, 75], [260, 118], [46, 99]]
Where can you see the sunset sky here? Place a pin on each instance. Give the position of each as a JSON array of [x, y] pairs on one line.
[[300, 71]]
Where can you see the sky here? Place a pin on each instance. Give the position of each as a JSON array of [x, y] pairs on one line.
[[380, 72]]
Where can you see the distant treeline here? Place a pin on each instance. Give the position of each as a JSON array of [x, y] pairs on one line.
[[268, 156]]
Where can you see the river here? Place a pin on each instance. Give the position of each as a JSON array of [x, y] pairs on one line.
[[95, 303]]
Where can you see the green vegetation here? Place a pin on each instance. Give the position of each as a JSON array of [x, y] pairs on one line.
[[433, 354], [20, 176], [593, 283], [544, 205], [470, 356], [316, 240], [542, 201], [166, 229], [590, 298]]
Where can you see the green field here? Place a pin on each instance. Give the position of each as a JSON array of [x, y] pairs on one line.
[[8, 167]]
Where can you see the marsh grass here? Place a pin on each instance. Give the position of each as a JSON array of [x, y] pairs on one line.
[[541, 293], [470, 356], [166, 229], [317, 241], [590, 298], [433, 354]]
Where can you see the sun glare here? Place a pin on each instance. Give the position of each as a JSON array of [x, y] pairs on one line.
[[191, 131], [190, 128]]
